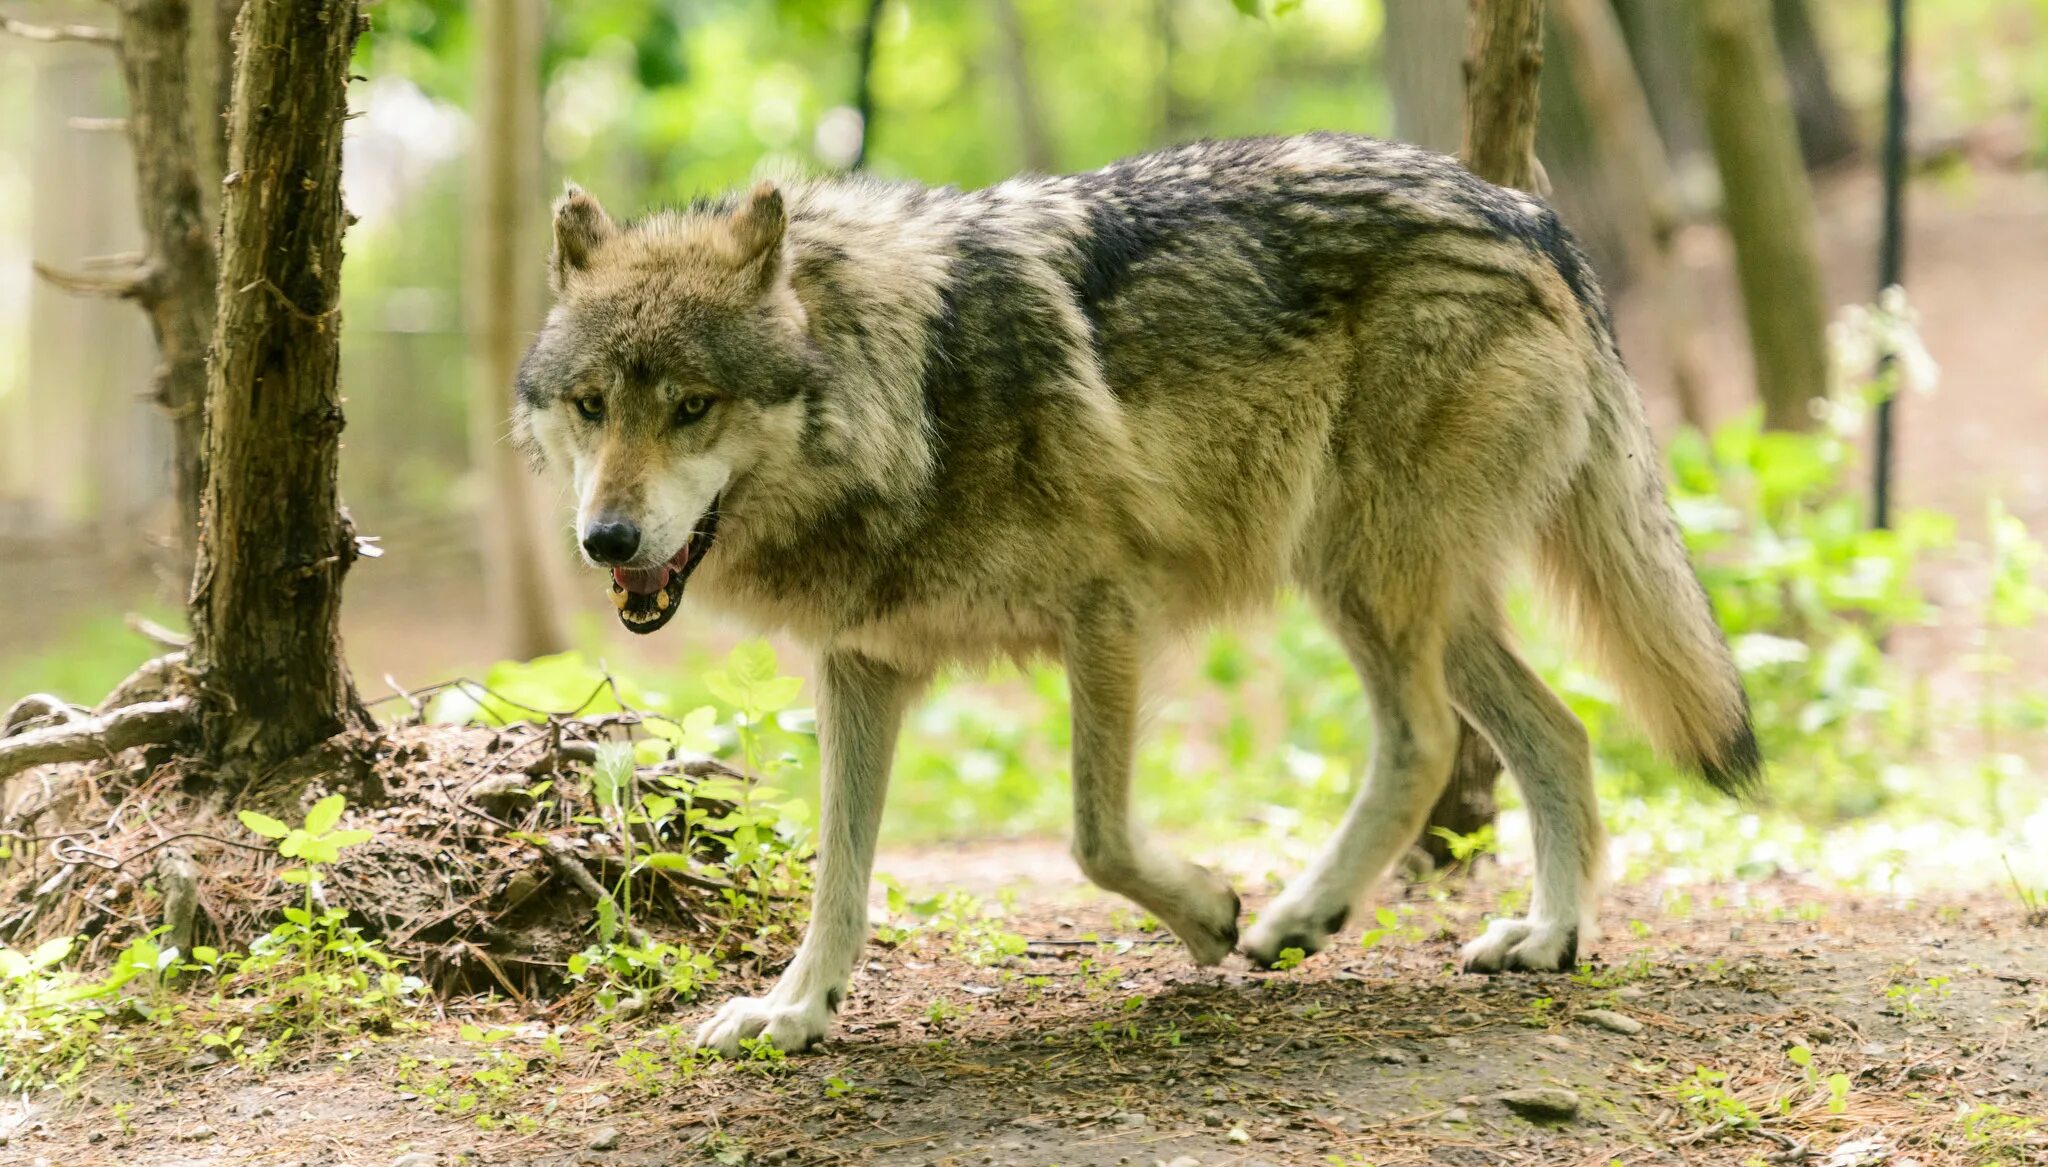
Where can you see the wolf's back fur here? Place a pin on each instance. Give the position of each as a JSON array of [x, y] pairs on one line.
[[1076, 415]]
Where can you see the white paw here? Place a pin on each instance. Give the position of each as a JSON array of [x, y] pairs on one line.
[[1284, 925], [788, 1027], [1526, 945]]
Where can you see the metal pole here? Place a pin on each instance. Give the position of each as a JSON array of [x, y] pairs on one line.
[[1891, 252]]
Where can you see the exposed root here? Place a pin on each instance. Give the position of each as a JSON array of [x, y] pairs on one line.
[[100, 738], [35, 711], [153, 681]]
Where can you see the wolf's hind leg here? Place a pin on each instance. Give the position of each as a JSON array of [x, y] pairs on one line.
[[1545, 748], [1105, 662], [1397, 649]]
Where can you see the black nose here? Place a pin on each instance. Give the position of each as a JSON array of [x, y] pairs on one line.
[[611, 540]]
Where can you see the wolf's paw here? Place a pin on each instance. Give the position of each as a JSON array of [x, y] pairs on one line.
[[1523, 945], [788, 1027], [1283, 926], [1207, 923]]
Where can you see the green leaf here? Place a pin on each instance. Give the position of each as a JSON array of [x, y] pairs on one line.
[[204, 955], [294, 844], [669, 861], [13, 965], [49, 952], [349, 838], [263, 824], [752, 661], [325, 814], [296, 875], [776, 693], [299, 916]]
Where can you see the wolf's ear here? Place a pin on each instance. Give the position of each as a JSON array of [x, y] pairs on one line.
[[581, 226], [756, 231]]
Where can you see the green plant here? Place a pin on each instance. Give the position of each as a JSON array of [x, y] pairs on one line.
[[334, 961], [1705, 1096]]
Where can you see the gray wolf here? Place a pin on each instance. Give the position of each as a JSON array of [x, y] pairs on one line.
[[1080, 417]]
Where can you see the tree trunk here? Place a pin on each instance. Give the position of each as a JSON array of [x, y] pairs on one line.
[[864, 88], [1639, 178], [1503, 62], [1767, 205], [1034, 144], [274, 541], [1827, 134], [1421, 50], [503, 295], [212, 59], [176, 285], [1504, 54]]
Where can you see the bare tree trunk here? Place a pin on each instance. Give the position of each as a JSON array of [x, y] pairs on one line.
[[173, 281], [1034, 144], [274, 541], [1421, 52], [177, 278], [1503, 62], [1176, 120], [864, 89], [212, 58], [503, 297], [1503, 59], [1827, 134], [1640, 178], [1767, 205]]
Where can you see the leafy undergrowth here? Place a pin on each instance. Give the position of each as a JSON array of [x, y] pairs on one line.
[[1761, 1023], [606, 863]]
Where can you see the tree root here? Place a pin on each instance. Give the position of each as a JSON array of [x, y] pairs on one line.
[[147, 723]]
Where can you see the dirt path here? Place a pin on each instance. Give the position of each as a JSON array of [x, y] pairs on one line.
[[1080, 1053]]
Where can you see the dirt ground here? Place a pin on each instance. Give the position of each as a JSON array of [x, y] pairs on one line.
[[1101, 1045]]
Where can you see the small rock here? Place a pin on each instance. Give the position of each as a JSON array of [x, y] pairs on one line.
[[1237, 1135], [414, 1159], [603, 1138], [1457, 1114], [1557, 1041], [205, 1059], [1234, 1062], [1631, 993], [1212, 1118], [1130, 1119], [1468, 1100], [1457, 1043], [1546, 1103], [1611, 1021], [1182, 1161], [197, 1134], [1391, 1057]]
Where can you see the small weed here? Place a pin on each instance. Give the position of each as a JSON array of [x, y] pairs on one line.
[[1707, 1098]]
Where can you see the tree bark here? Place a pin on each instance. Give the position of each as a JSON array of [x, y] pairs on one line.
[[503, 296], [1640, 178], [1503, 59], [212, 58], [1827, 134], [1421, 52], [1033, 142], [177, 289], [1767, 205], [1503, 62], [864, 88], [274, 541]]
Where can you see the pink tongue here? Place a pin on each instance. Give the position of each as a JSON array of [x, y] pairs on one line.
[[641, 581]]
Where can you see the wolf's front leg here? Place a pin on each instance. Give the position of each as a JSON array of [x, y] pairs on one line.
[[860, 706], [1105, 662]]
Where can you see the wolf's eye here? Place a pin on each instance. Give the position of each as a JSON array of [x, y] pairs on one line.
[[591, 406], [692, 409]]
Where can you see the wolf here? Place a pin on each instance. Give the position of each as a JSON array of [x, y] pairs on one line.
[[1081, 417]]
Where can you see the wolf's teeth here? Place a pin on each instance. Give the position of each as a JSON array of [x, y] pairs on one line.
[[661, 601], [619, 598]]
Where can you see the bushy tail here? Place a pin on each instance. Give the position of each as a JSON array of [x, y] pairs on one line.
[[1614, 555]]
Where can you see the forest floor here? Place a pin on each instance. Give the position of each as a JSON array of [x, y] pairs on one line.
[[1101, 1045]]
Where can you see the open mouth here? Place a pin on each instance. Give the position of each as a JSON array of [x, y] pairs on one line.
[[647, 597]]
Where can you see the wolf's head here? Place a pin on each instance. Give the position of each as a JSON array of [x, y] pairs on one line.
[[673, 364]]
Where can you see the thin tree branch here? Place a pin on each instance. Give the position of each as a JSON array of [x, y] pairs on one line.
[[133, 284], [54, 33], [98, 125]]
